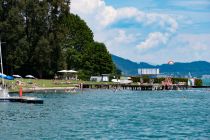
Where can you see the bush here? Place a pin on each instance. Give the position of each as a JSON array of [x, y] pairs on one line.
[[198, 82]]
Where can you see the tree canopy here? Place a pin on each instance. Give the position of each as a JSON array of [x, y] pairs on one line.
[[43, 37]]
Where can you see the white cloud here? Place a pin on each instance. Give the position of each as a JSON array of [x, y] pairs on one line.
[[154, 39], [123, 37], [106, 15], [100, 16], [181, 48], [154, 29]]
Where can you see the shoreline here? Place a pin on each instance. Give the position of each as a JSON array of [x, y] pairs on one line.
[[46, 89], [75, 88]]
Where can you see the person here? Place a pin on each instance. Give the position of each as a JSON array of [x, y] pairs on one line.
[[55, 77], [81, 86]]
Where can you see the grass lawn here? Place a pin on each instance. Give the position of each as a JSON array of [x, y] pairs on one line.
[[44, 83]]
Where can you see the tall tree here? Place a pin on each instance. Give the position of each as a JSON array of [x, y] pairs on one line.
[[97, 60], [13, 33], [77, 37], [43, 37]]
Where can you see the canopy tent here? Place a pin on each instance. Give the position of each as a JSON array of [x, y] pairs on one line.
[[63, 71], [69, 74], [71, 71], [67, 71]]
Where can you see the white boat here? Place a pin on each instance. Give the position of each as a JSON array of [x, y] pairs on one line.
[[3, 89]]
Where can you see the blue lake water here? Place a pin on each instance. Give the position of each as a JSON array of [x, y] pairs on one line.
[[206, 82], [103, 114]]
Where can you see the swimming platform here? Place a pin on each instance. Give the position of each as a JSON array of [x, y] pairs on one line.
[[23, 99]]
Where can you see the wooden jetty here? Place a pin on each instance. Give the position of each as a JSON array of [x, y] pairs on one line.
[[23, 99], [155, 87], [142, 87]]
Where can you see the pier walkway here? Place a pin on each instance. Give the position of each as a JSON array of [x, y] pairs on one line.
[[135, 86]]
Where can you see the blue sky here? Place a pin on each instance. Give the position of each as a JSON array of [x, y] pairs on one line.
[[153, 31]]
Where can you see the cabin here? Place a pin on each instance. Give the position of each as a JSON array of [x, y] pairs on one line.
[[102, 78], [191, 82]]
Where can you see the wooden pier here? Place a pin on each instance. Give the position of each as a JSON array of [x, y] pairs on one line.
[[154, 87], [142, 87], [23, 99]]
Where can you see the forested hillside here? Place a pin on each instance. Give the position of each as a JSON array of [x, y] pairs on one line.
[[42, 37]]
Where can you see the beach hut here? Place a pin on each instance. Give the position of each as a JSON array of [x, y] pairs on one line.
[[102, 78], [105, 77], [96, 78]]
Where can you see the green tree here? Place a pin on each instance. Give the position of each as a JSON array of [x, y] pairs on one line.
[[97, 60], [77, 37], [40, 57], [15, 50], [42, 37], [79, 34]]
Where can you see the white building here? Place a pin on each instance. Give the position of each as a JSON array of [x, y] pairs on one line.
[[148, 71], [96, 78], [102, 78], [191, 82]]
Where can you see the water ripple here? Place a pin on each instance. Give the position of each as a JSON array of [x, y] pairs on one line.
[[103, 114]]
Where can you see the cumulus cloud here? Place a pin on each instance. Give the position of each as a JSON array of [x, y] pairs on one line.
[[100, 17], [154, 39], [106, 15]]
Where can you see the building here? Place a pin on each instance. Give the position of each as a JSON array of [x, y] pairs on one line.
[[102, 78], [191, 82], [148, 71], [105, 77], [96, 78]]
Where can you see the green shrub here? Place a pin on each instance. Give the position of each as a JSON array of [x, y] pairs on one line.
[[198, 82]]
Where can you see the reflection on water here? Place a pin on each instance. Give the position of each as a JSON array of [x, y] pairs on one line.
[[103, 114]]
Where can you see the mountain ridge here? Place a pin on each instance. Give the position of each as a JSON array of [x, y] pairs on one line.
[[196, 68]]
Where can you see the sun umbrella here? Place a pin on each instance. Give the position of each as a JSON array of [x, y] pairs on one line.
[[17, 76], [2, 75], [6, 77], [9, 78], [30, 76]]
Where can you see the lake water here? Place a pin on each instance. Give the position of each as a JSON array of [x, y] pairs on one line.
[[103, 114]]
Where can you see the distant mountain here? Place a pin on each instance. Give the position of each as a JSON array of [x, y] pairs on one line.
[[128, 67], [197, 68]]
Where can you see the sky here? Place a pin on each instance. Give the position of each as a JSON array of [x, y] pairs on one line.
[[153, 31]]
